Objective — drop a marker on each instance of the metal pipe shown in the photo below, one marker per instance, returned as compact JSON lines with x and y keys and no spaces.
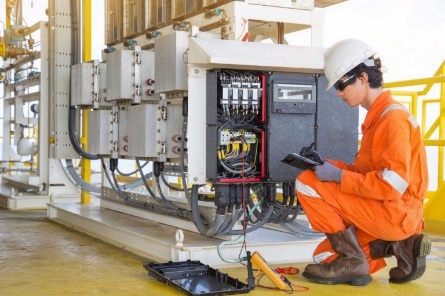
{"x":86,"y":50}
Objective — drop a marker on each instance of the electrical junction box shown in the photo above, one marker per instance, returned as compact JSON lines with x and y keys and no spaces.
{"x":100,"y":132}
{"x":170,"y":66}
{"x":152,"y":130}
{"x":84,"y":85}
{"x":128,"y":71}
{"x":143,"y":126}
{"x":81,"y":84}
{"x":88,"y":83}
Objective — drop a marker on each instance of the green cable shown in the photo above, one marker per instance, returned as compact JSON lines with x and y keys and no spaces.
{"x":234,"y":242}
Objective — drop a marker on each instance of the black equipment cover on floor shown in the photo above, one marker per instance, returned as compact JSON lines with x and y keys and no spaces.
{"x":195,"y":278}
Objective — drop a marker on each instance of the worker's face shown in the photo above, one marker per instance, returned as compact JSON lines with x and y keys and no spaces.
{"x":349,"y":90}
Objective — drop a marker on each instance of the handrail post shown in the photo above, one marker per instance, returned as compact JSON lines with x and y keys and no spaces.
{"x":441,"y":127}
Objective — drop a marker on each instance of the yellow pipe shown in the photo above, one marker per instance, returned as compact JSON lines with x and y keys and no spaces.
{"x":413,"y":106}
{"x":424,"y":110}
{"x":414,"y":82}
{"x":9,"y":6}
{"x":424,"y":106}
{"x":441,"y":127}
{"x":439,"y":143}
{"x":433,"y":127}
{"x":85,"y":198}
{"x":431,"y":101}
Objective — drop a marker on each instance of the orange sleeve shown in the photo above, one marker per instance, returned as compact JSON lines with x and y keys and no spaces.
{"x":388,"y":175}
{"x":342,"y":165}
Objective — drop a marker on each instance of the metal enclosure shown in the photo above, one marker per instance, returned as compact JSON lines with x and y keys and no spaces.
{"x":82,"y":86}
{"x":290,"y":126}
{"x":329,"y":123}
{"x":127,"y":74}
{"x":100,"y":129}
{"x":143,"y":130}
{"x":150,"y":130}
{"x":85,"y":84}
{"x":170,"y":69}
{"x":88,"y":84}
{"x":299,"y":112}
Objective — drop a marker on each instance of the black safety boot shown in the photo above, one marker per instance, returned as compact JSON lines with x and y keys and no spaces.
{"x":350,"y":267}
{"x":410,"y":253}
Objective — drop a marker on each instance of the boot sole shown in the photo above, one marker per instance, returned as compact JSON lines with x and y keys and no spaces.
{"x":422,"y":247}
{"x":354,"y":281}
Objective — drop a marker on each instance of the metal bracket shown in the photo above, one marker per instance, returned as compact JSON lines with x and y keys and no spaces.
{"x":137,"y":74}
{"x":96,"y":89}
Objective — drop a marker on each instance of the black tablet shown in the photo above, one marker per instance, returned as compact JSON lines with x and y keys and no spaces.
{"x":301,"y":162}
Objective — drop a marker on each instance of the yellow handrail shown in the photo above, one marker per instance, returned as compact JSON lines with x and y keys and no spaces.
{"x":434,"y":207}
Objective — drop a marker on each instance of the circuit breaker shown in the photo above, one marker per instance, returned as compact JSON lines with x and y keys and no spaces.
{"x":235,"y":126}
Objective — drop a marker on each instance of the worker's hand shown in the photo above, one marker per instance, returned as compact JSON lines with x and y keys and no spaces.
{"x":312,"y":154}
{"x":327,"y":172}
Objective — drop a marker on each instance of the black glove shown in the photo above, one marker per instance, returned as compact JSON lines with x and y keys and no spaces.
{"x":310,"y":153}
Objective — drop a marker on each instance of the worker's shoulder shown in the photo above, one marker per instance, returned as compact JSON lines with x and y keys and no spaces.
{"x":396,"y":112}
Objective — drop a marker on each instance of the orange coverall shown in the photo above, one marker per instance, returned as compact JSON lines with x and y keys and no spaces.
{"x":381,"y":193}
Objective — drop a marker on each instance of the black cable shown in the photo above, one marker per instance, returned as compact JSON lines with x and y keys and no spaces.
{"x":168,"y":185}
{"x":72,"y":135}
{"x":144,"y":179}
{"x":165,"y":201}
{"x":72,"y":109}
{"x":131,"y":173}
{"x":146,"y":205}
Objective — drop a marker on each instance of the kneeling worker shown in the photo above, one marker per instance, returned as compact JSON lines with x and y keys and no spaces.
{"x":372,"y":208}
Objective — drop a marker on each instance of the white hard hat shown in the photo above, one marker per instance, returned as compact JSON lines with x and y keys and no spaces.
{"x":344,"y":56}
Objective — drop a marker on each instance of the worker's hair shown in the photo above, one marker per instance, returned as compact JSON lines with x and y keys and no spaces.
{"x":375,"y":75}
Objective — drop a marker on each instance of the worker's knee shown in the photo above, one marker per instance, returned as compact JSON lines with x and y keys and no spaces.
{"x":305,"y":185}
{"x":307,"y":177}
